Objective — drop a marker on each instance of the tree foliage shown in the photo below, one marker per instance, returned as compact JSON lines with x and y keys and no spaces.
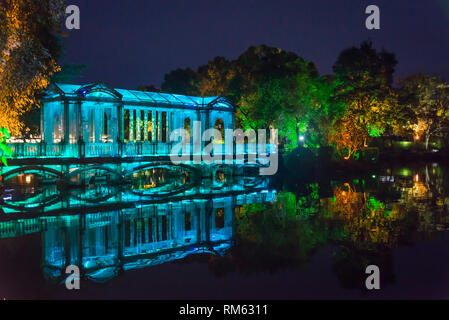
{"x":279,"y":89}
{"x":272,"y":87}
{"x":426,"y":105}
{"x":5,"y":151}
{"x":365,"y":77}
{"x":28,"y":47}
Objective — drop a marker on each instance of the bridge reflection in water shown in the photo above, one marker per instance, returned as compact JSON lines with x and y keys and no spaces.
{"x":138,"y":232}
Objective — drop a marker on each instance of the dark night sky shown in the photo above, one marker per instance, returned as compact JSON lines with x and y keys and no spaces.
{"x":128,"y":43}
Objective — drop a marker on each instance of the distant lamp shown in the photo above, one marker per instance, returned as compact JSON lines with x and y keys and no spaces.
{"x":84,"y":92}
{"x":28,"y":179}
{"x":301,"y":138}
{"x":416,"y":137}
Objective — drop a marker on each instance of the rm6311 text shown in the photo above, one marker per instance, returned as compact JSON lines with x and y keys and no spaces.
{"x":244,"y":309}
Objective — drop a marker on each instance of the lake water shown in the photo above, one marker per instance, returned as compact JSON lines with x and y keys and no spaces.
{"x":165,"y":236}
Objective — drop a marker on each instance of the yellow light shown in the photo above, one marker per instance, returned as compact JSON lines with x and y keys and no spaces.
{"x":28,"y":179}
{"x":150,"y":186}
{"x":416,"y":137}
{"x":416,"y":177}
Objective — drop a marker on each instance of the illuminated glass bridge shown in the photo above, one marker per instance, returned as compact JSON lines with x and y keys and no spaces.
{"x":93,"y":132}
{"x":98,"y":121}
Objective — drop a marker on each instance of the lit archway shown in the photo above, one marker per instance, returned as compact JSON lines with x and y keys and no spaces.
{"x":219,"y":126}
{"x":187,"y":128}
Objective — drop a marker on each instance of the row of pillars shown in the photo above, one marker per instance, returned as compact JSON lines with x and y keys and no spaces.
{"x":156,"y":125}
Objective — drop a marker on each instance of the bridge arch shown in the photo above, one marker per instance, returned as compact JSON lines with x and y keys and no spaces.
{"x":162,"y":164}
{"x":195,"y":175}
{"x":114,"y":173}
{"x":32,"y":169}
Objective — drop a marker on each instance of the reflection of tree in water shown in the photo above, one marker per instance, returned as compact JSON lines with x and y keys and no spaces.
{"x":364,"y":230}
{"x":160,"y":177}
{"x":274,"y":236}
{"x":374,"y":231}
{"x":369,"y":232}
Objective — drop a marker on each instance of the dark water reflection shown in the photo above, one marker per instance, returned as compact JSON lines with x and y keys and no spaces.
{"x":231,"y":237}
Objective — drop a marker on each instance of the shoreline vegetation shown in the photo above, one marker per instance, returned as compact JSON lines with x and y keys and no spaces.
{"x":312,"y":166}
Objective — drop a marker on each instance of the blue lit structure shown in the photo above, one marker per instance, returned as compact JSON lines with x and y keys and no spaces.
{"x":106,"y":243}
{"x":94,"y":131}
{"x":96,"y":120}
{"x":102,"y":191}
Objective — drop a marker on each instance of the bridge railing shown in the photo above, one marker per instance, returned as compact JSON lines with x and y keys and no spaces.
{"x":38,"y":150}
{"x":101,"y":149}
{"x":220,"y":149}
{"x":26,"y":150}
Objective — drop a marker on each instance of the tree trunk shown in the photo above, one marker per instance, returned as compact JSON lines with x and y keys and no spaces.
{"x":298,"y":142}
{"x":427,"y":140}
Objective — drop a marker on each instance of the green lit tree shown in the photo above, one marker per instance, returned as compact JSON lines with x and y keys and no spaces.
{"x":365,"y":79}
{"x":5,"y":151}
{"x":272,"y":87}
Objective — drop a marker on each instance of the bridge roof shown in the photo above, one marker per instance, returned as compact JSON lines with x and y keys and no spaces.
{"x":99,"y":91}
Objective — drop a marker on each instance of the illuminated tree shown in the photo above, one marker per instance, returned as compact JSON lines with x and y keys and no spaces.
{"x":426,"y":102}
{"x":347,"y":137}
{"x":271,"y":86}
{"x":365,"y":77}
{"x":324,"y":110}
{"x":27,"y":49}
{"x":274,"y":89}
{"x":5,"y":151}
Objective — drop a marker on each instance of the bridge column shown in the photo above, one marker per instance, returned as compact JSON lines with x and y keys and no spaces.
{"x":81,"y":130}
{"x":121,"y":238}
{"x":47,"y":121}
{"x":42,"y":128}
{"x":66,"y":129}
{"x":139,"y":222}
{"x":66,"y":123}
{"x":131,"y":125}
{"x":158,"y":125}
{"x":154,"y":124}
{"x":170,"y":125}
{"x":145,"y":126}
{"x":121,"y":123}
{"x":98,"y":113}
{"x":150,"y":115}
{"x":138,"y":126}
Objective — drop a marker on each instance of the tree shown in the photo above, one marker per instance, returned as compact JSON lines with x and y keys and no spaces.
{"x":68,"y":73}
{"x":28,"y":51}
{"x":323,"y":110}
{"x":347,"y":137}
{"x":365,"y":77}
{"x":426,"y":102}
{"x":272,"y":88}
{"x":215,"y":77}
{"x":181,"y":81}
{"x":5,"y":151}
{"x":150,"y":88}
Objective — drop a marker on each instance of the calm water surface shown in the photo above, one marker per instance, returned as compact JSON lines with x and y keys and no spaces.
{"x":169,"y":236}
